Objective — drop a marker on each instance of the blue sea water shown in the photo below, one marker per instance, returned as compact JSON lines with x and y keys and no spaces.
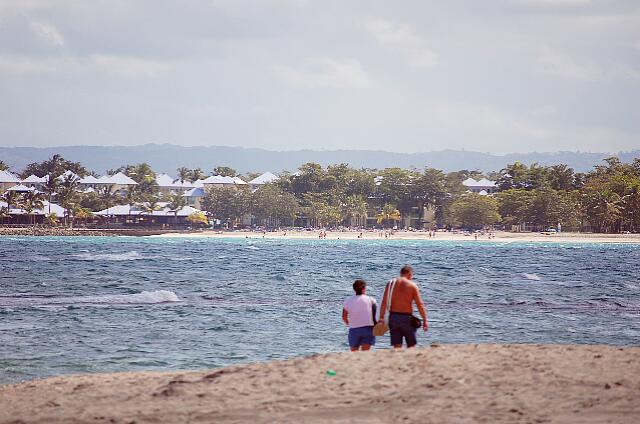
{"x":78,"y":305}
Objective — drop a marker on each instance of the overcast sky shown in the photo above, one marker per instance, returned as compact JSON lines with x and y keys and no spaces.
{"x":494,"y":76}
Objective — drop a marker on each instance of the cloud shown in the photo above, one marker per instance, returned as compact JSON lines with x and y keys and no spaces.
{"x":107,"y":64}
{"x":47,"y":33}
{"x":128,"y":66}
{"x":555,"y":63}
{"x":559,"y":64}
{"x":402,"y":36}
{"x":555,"y":2}
{"x":325,"y":72}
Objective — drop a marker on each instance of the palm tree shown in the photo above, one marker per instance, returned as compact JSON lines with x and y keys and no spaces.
{"x":132,"y":197}
{"x":11,"y":197}
{"x":388,"y":212}
{"x":108,"y":197}
{"x":150,"y":205}
{"x":67,"y":193}
{"x":4,"y":213}
{"x":176,"y":202}
{"x":196,"y":174}
{"x":32,"y":200}
{"x":355,"y":207}
{"x":83,"y":214}
{"x":183,"y":174}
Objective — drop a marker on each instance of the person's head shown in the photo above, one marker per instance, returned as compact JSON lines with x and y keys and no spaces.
{"x":406,"y":272}
{"x":359,"y":286}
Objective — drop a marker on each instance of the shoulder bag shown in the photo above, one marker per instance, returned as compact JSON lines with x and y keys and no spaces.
{"x":382,"y":326}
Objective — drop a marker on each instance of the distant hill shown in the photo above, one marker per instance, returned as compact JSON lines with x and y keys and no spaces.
{"x":167,"y":158}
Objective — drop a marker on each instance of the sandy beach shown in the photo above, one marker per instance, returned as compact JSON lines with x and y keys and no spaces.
{"x":437,"y":384}
{"x":498,"y":236}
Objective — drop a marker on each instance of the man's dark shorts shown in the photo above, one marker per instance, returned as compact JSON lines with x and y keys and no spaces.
{"x":400,"y":327}
{"x":361,"y":335}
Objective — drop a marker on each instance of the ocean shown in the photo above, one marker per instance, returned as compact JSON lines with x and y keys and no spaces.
{"x":72,"y":305}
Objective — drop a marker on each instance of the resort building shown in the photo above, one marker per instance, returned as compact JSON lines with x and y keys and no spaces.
{"x":199,"y":188}
{"x":261,"y":180}
{"x":481,"y":187}
{"x":135,"y":215}
{"x":117,"y":182}
{"x":35,"y":181}
{"x":7,"y":180}
{"x":169,"y":185}
{"x":19,"y":216}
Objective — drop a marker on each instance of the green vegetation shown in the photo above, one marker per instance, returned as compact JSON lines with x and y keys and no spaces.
{"x":533,"y":197}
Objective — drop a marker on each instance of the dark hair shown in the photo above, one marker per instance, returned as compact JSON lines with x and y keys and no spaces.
{"x":406,"y":270}
{"x":358,"y":286}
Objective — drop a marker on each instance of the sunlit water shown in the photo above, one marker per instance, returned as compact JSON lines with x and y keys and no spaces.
{"x":77,"y":305}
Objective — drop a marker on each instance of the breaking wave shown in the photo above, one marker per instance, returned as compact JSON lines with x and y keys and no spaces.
{"x":143,"y":298}
{"x":125,"y":256}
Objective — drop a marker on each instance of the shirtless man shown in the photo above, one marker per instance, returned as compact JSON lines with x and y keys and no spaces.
{"x":405,"y":293}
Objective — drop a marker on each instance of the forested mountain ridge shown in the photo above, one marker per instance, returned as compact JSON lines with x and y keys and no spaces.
{"x":167,"y":158}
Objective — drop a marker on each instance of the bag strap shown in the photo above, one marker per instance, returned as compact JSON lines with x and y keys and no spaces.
{"x":390,"y":286}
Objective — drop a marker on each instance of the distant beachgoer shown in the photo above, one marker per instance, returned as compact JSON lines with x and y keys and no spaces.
{"x":402,"y":324}
{"x":359,"y":314}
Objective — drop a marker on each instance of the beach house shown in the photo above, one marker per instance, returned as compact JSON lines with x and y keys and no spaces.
{"x":138,"y":215}
{"x":482,"y":187}
{"x":261,"y":180}
{"x":118,"y":182}
{"x":8,"y":180}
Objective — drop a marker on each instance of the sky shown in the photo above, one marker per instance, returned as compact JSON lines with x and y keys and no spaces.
{"x":496,"y":76}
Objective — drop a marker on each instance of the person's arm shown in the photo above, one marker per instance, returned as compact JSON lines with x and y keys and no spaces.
{"x":345,"y":316}
{"x":418,"y":300}
{"x":383,"y":304}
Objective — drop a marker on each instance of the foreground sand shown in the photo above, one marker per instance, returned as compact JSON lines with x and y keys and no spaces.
{"x":498,"y":236}
{"x":445,"y":384}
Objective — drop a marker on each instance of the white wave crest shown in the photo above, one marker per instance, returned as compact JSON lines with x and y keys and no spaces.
{"x":126,"y":256}
{"x":143,"y":298}
{"x":146,"y":297}
{"x":533,"y":277}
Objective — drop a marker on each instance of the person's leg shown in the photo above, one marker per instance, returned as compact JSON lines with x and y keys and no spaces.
{"x":354,"y":340}
{"x":395,"y":331}
{"x":368,"y":339}
{"x":410,"y":337}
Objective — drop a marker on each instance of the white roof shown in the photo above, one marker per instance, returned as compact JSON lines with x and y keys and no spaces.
{"x":135,"y":210}
{"x":265,"y":178}
{"x":483,"y":193}
{"x":68,"y":173}
{"x":20,"y":187}
{"x":194,"y":192}
{"x":218,"y":179}
{"x":239,"y":181}
{"x":8,"y":177}
{"x":34,"y":179}
{"x":57,"y":209}
{"x":164,"y":180}
{"x":118,"y":178}
{"x":197,"y":183}
{"x":470,"y":182}
{"x":89,"y":179}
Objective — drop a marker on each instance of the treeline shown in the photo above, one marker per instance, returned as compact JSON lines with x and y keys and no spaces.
{"x":606,"y":199}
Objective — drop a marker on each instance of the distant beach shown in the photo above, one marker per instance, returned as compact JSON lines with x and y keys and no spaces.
{"x":497,"y":236}
{"x":438,"y":384}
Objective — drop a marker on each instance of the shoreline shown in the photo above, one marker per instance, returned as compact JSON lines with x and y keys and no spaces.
{"x":441,"y":383}
{"x":498,"y":236}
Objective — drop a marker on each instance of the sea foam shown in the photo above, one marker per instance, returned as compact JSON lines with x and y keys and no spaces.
{"x":142,"y":298}
{"x":533,"y":277}
{"x":125,"y":256}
